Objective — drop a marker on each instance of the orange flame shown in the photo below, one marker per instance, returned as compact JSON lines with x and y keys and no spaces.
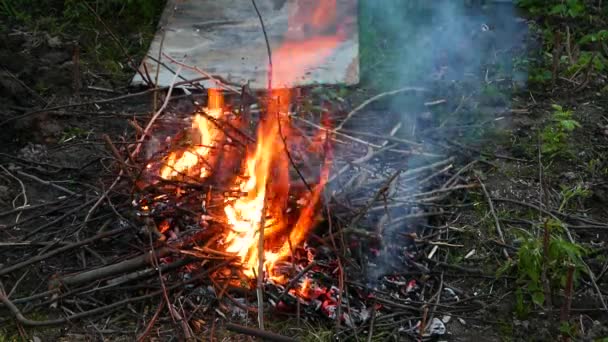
{"x":267,"y":181}
{"x":204,"y":134}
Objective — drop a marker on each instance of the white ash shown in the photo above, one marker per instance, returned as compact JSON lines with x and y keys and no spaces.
{"x":34,"y":152}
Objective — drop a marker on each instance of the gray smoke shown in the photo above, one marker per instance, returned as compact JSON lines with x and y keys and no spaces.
{"x":451,"y":47}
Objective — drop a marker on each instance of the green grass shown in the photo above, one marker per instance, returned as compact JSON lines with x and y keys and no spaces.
{"x":133,"y":23}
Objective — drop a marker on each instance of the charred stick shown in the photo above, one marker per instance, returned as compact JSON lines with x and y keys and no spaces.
{"x":265,"y":335}
{"x":123,"y":165}
{"x":295,"y":279}
{"x":455,"y":267}
{"x":458,"y":173}
{"x":293,"y":163}
{"x":219,"y":125}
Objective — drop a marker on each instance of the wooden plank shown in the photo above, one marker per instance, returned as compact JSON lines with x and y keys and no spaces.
{"x":313,"y":41}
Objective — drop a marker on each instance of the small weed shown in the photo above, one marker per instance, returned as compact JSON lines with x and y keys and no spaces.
{"x":74,"y":133}
{"x":556,"y":133}
{"x":597,"y":61}
{"x":570,"y":193}
{"x":534,"y":258}
{"x":596,"y":168}
{"x":567,"y":8}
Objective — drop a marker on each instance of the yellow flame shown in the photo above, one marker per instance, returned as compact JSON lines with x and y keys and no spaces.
{"x":204,"y":135}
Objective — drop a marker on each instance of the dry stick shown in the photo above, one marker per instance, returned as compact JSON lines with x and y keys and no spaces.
{"x":160,"y":50}
{"x":123,"y":165}
{"x":219,"y":124}
{"x":204,"y":73}
{"x":23,"y":320}
{"x":260,"y":280}
{"x":76,"y":83}
{"x":51,"y":184}
{"x":589,"y":68}
{"x":145,"y":273}
{"x":545,"y":265}
{"x":295,"y":279}
{"x":496,"y":220}
{"x":30,"y":90}
{"x":117,"y":41}
{"x":368,"y":156}
{"x":371,"y":324}
{"x":101,"y":101}
{"x":557,"y":51}
{"x":59,"y":219}
{"x":569,"y":45}
{"x":390,"y":138}
{"x":150,"y":325}
{"x":23,"y":193}
{"x":137,"y":147}
{"x":154,"y":261}
{"x":107,"y":271}
{"x":375,"y":98}
{"x":195,"y":85}
{"x":293,"y":163}
{"x":362,"y":142}
{"x":264,"y":335}
{"x":41,"y":257}
{"x":29,"y":207}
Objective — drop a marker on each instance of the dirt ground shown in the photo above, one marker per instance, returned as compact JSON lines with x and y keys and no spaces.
{"x":52,"y":146}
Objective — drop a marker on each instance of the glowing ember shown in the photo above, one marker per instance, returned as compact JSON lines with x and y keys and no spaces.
{"x":204,"y":134}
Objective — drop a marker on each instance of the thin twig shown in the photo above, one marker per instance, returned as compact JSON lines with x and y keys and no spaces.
{"x":51,"y":184}
{"x":25,"y":86}
{"x":376,"y":98}
{"x":204,"y":73}
{"x":496,"y":220}
{"x":65,"y":248}
{"x":137,"y":148}
{"x":122,"y":48}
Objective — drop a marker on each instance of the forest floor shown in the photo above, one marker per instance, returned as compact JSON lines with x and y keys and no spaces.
{"x":526,"y":240}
